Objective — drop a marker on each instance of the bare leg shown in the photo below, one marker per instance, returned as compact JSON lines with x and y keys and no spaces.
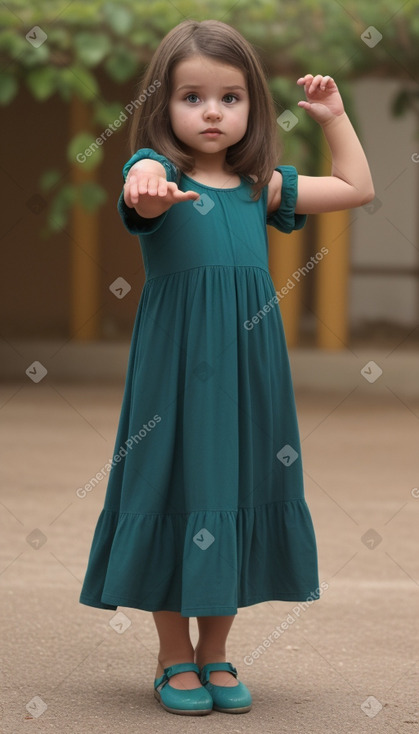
{"x":211,"y":646}
{"x":175,"y":647}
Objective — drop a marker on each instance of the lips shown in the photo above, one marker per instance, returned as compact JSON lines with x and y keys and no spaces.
{"x":211,"y":130}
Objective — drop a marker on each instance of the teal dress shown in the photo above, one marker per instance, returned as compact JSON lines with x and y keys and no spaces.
{"x":204,"y":509}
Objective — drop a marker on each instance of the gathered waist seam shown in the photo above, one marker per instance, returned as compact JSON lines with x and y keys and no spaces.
{"x":206,"y":267}
{"x":208,"y":509}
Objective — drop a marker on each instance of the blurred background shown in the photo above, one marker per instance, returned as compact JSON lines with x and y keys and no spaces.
{"x":70,"y":75}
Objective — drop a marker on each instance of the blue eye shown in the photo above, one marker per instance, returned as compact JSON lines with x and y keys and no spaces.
{"x":233,"y":97}
{"x":191,"y":95}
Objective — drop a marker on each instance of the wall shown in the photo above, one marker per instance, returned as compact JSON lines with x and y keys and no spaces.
{"x":387,"y":238}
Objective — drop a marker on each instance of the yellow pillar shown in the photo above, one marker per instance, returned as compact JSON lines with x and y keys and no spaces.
{"x":332,"y":272}
{"x":285,"y":257}
{"x":85,"y":282}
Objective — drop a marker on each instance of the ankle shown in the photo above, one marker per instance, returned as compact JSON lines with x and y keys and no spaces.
{"x":166,"y":660}
{"x":209,"y":655}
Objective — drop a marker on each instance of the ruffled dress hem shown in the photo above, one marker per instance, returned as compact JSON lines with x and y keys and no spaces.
{"x":203,"y":611}
{"x":170,"y":554}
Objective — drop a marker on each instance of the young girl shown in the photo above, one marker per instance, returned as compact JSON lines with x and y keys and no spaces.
{"x":205,"y":509}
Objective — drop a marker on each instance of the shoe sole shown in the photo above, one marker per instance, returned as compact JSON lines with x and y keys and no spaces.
{"x":242,"y":710}
{"x":182,"y":712}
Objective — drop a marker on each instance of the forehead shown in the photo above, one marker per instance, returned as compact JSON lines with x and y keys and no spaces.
{"x":203,"y":71}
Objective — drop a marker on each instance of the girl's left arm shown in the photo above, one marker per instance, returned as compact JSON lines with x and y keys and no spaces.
{"x":350,"y":183}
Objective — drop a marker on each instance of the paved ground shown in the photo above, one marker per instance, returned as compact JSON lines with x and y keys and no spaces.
{"x":347,"y":664}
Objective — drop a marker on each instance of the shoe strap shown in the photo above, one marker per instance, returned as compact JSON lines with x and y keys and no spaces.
{"x":210,"y":667}
{"x":173,"y":670}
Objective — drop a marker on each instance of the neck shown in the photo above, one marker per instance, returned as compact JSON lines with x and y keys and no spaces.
{"x":209,"y":164}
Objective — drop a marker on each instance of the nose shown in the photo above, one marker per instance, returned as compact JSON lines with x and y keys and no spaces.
{"x":212,"y":111}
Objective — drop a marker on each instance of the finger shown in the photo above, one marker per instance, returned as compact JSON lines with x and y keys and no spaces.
{"x":145,"y":184}
{"x":162,"y":187}
{"x":185,"y":195}
{"x":128,"y":199}
{"x":192,"y":194}
{"x":175,"y":192}
{"x":132,"y":189}
{"x":305,"y":79}
{"x":152,"y":185}
{"x":315,"y":83}
{"x":325,"y":81}
{"x":142,"y":184}
{"x":182,"y":195}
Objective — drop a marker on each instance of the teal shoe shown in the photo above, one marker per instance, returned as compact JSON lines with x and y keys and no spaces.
{"x":188,"y":701}
{"x":229,"y":699}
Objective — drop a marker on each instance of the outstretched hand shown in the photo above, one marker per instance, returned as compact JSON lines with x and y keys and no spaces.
{"x":323,"y":99}
{"x":144,"y":184}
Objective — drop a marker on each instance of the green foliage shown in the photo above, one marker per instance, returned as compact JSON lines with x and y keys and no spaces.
{"x":60,"y":207}
{"x":122,"y":65}
{"x":80,"y":152}
{"x":92,"y":196}
{"x":293,"y":35}
{"x":42,"y":82}
{"x":8,"y":87}
{"x":89,"y":194}
{"x":106,"y":111}
{"x":91,"y":48}
{"x":49,"y":179}
{"x":119,"y":18}
{"x":83,"y":83}
{"x":406,"y":99}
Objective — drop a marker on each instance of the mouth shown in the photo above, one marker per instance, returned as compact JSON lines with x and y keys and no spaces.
{"x":211,"y":131}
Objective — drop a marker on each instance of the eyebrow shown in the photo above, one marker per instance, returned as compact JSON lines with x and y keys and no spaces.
{"x":199,"y":86}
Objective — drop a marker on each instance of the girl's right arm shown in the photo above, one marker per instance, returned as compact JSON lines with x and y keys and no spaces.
{"x":147,"y":190}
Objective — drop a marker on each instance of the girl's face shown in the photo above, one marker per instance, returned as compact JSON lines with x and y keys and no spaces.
{"x":208,"y":94}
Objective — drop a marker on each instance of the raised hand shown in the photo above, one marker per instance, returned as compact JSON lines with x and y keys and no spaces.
{"x":323,"y":99}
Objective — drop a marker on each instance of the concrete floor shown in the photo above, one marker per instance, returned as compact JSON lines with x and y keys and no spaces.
{"x":348,"y":664}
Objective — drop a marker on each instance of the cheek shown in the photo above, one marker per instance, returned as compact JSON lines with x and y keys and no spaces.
{"x":176,"y":113}
{"x":174,"y":109}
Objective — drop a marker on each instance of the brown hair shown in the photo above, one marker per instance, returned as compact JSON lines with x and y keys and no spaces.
{"x":257,"y":153}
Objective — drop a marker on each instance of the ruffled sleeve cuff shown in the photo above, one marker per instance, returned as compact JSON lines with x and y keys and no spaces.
{"x":134,"y":223}
{"x":284,"y":218}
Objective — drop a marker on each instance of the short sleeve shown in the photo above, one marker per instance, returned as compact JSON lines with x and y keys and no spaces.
{"x":285,"y":219}
{"x":131,"y":219}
